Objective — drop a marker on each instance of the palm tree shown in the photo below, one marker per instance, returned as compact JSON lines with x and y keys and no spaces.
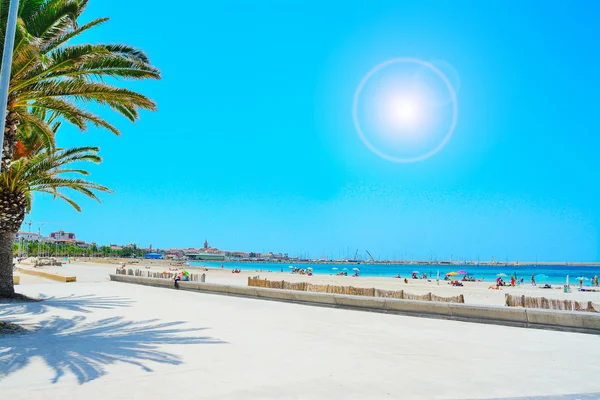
{"x":49,"y":74}
{"x":45,"y":171}
{"x":53,"y":81}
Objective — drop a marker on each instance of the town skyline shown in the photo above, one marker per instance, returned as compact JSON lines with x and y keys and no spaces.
{"x":207,"y":253}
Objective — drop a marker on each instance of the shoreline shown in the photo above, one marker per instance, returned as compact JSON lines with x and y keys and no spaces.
{"x":474,"y":292}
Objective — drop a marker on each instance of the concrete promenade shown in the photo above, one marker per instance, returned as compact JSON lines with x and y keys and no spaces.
{"x":109,"y":340}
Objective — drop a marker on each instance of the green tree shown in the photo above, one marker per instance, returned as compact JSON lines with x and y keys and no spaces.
{"x":106,"y":251}
{"x":54,"y":81}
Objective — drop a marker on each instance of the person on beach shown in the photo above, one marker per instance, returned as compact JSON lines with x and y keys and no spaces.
{"x":532,"y":280}
{"x":512,"y":281}
{"x":580,"y":282}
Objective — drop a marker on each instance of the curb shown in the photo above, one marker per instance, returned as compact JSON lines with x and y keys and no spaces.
{"x":47,"y":275}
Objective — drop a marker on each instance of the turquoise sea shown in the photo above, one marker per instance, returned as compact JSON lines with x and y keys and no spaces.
{"x":555,"y":274}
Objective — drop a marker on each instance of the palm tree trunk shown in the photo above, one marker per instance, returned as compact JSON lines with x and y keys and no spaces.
{"x":10,"y":139}
{"x":7,"y":288}
{"x":12,"y":213}
{"x":12,"y":209}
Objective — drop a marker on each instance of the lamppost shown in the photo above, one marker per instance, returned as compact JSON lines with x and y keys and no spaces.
{"x":9,"y":44}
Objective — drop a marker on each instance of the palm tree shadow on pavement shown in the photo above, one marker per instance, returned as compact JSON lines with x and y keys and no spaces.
{"x":82,"y":303}
{"x":85,"y":349}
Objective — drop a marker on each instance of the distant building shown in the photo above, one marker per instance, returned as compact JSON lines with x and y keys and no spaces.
{"x":205,"y":244}
{"x":65,"y":241}
{"x":62,"y":235}
{"x":175,"y":253}
{"x":79,"y":243}
{"x":153,"y":256}
{"x":206,"y":257}
{"x":236,"y":254}
{"x":30,"y":237}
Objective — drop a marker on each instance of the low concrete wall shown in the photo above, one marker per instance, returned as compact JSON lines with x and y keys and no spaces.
{"x":47,"y":275}
{"x":140,"y":280}
{"x":522,"y":317}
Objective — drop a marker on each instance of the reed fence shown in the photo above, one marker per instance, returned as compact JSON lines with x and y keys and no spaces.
{"x":160,"y":275}
{"x":351,"y":290}
{"x":550,"y":304}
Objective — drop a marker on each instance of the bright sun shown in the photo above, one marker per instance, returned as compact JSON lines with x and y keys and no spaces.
{"x":404,"y":112}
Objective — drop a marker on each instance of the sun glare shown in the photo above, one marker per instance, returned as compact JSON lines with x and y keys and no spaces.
{"x":404,"y":112}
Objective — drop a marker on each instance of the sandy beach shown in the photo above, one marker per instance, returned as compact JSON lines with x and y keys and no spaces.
{"x":97,"y":270}
{"x":97,"y":339}
{"x":101,"y":339}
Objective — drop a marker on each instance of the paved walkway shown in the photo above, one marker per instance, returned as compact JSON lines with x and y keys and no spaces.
{"x":111,"y":340}
{"x":584,"y":396}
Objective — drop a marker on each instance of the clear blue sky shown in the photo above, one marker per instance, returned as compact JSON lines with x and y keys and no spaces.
{"x":253,"y":146}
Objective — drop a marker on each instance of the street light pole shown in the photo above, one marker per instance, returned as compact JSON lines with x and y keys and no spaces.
{"x":9,"y":44}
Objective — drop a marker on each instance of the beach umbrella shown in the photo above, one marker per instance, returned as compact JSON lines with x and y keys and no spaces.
{"x":356,"y":269}
{"x":582,"y":278}
{"x":290,"y":266}
{"x":416,"y":272}
{"x":335,"y":269}
{"x":438,"y":275}
{"x":452,"y":273}
{"x":501,"y":274}
{"x":567,"y":280}
{"x":461,"y":272}
{"x":345,"y":269}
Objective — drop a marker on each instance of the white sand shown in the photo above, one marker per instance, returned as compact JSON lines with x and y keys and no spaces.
{"x":109,"y":340}
{"x":474,"y":292}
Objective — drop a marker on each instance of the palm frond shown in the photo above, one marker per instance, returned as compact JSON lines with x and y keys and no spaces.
{"x":60,"y":40}
{"x":73,"y":114}
{"x":53,"y":18}
{"x":82,"y":90}
{"x":129,"y":52}
{"x":49,"y":172}
{"x":39,"y":127}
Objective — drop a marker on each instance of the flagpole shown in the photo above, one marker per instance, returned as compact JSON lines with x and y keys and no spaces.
{"x":9,"y":44}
